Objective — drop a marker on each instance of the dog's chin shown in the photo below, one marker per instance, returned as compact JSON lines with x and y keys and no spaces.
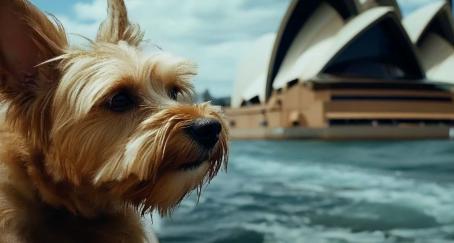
{"x":199,"y":157}
{"x":192,"y":165}
{"x":169,"y":189}
{"x":182,"y":171}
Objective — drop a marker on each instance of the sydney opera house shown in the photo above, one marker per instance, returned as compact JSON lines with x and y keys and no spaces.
{"x":347,"y":69}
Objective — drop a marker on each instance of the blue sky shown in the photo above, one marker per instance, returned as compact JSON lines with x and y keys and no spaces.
{"x":213,"y":33}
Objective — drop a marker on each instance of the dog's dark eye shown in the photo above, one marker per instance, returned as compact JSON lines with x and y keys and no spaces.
{"x":173,"y":93}
{"x":121,"y":102}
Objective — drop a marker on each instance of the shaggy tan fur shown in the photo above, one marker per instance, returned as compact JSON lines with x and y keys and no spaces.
{"x":73,"y":170}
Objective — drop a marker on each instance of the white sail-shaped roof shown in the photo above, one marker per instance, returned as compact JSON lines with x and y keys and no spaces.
{"x":438,"y":58}
{"x":368,"y":4}
{"x":431,"y":30}
{"x":307,"y":54}
{"x":251,"y":78}
{"x":377,"y":47}
{"x":420,"y":21}
{"x":326,"y":43}
{"x":325,"y":17}
{"x":348,"y":38}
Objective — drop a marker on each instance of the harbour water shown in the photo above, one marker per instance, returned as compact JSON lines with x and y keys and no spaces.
{"x":314,"y":191}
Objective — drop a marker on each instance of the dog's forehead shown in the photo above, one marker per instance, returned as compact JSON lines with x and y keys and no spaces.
{"x":146,"y":63}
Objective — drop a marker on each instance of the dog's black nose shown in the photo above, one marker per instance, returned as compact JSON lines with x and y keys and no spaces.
{"x":205,"y":131}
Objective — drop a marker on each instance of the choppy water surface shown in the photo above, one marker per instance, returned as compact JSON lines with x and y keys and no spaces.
{"x":311,"y":191}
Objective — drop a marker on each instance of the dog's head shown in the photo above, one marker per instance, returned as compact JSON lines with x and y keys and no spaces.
{"x":108,"y":116}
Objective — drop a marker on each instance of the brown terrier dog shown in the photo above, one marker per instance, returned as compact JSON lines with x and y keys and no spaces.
{"x":91,"y":138}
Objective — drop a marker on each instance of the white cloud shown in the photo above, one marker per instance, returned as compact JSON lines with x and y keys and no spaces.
{"x":215,"y":34}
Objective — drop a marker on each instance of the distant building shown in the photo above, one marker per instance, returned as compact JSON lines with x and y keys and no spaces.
{"x":217,"y":101}
{"x":349,"y":69}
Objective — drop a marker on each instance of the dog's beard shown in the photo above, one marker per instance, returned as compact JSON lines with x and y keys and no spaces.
{"x":160,"y":163}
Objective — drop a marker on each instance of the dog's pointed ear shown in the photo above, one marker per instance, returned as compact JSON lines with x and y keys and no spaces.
{"x":27,"y":38}
{"x":116,"y":27}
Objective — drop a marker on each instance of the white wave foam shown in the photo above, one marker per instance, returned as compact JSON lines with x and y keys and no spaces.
{"x":357,"y":184}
